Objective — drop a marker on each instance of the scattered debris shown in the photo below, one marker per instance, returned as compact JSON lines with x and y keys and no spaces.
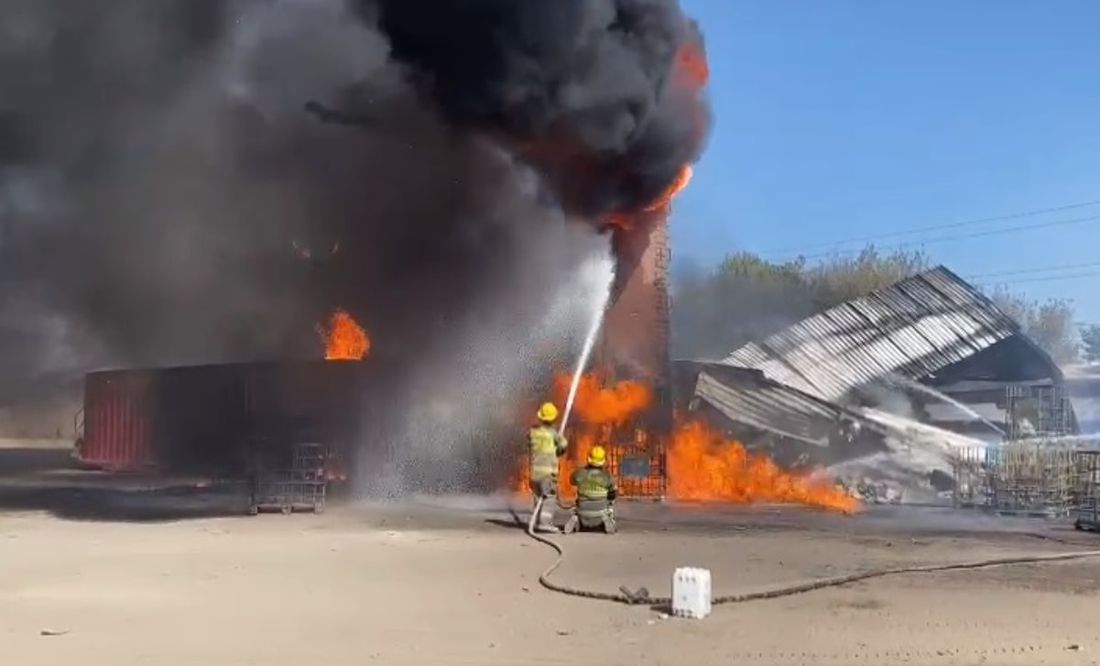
{"x":634,"y":596}
{"x":869,"y":492}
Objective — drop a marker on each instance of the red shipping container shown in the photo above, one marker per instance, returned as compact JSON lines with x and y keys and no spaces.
{"x":203,"y":416}
{"x":118,"y":420}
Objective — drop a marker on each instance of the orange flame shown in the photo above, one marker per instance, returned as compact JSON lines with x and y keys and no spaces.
{"x":521,"y":478}
{"x":344,"y":339}
{"x":597,"y":409}
{"x":677,"y":186}
{"x":704,"y":466}
{"x":661,"y":204}
{"x":599,"y":405}
{"x":691,"y":66}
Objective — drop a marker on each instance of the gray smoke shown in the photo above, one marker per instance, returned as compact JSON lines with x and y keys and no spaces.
{"x":166,"y":197}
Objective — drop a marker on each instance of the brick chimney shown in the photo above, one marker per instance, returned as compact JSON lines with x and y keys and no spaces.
{"x":635,"y":339}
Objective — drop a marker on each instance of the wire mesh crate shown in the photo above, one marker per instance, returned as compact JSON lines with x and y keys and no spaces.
{"x":635,"y":458}
{"x":1037,"y":411}
{"x":289,"y":480}
{"x":1018,"y":478}
{"x":972,"y":478}
{"x":638,"y":464}
{"x":1031,"y":479}
{"x":1086,"y":511}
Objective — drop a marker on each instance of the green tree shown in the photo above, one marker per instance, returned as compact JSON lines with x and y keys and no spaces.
{"x":1048,"y":323}
{"x":1090,"y":342}
{"x":744,"y":298}
{"x":747,"y":298}
{"x":839,"y":279}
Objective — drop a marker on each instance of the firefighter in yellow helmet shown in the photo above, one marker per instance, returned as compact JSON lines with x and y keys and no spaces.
{"x":546,"y":445}
{"x":596,"y":493}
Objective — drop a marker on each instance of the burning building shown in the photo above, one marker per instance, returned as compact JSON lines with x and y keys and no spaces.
{"x":241,"y":169}
{"x":892,"y":383}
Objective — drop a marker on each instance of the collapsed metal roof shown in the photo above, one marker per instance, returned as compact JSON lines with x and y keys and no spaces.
{"x":750,"y":398}
{"x":912,"y":328}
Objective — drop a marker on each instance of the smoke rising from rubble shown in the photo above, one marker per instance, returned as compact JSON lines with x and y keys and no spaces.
{"x":160,"y":178}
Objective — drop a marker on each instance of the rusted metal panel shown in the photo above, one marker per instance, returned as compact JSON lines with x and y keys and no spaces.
{"x":769,"y":406}
{"x":118,"y":420}
{"x":204,"y":416}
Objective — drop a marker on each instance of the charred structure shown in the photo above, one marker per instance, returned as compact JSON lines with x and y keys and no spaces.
{"x":893,"y":384}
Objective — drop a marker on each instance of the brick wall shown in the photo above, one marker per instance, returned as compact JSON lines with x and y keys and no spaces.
{"x":635,"y":341}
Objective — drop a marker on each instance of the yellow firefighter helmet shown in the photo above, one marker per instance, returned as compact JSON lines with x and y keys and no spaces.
{"x":548,"y":413}
{"x":597,"y":457}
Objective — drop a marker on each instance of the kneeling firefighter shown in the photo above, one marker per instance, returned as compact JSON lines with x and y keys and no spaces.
{"x":546,"y":445}
{"x":596,"y":493}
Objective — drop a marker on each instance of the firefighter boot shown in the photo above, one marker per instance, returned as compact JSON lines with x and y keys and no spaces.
{"x":609,"y":526}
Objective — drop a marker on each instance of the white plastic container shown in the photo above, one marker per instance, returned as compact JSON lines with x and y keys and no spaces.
{"x":691,"y":593}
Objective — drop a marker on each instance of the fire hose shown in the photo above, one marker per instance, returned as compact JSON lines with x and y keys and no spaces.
{"x":642,"y":596}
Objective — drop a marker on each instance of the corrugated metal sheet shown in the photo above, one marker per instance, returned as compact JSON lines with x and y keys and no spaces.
{"x":118,"y":420}
{"x":914,"y":328}
{"x":203,"y":415}
{"x":767,"y":405}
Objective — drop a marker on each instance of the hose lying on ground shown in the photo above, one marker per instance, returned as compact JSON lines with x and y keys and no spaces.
{"x":642,"y":596}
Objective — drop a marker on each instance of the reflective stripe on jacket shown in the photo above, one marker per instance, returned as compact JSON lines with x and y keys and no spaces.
{"x":593,"y":487}
{"x":546,"y":446}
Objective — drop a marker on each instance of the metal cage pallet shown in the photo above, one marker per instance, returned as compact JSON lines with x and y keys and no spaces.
{"x":1037,"y":410}
{"x":637,"y":461}
{"x":1086,"y":514}
{"x":298,"y":486}
{"x":1033,"y":480}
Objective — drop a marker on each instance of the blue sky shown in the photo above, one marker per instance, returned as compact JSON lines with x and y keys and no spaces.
{"x":841,"y":119}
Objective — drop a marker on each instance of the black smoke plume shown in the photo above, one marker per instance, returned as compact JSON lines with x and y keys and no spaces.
{"x":194,"y":181}
{"x":583,"y":89}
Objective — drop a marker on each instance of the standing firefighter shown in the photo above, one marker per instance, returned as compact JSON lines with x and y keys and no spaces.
{"x":596,"y":493}
{"x":547,"y":445}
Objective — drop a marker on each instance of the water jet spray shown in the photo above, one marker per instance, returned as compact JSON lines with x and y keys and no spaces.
{"x":604,"y":295}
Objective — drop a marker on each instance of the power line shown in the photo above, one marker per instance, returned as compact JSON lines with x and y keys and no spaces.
{"x":1050,"y":278}
{"x":1044,"y":269}
{"x":937,"y":227}
{"x":977,"y":234}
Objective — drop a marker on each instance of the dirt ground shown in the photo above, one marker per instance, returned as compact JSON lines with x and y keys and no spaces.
{"x":100,"y":570}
